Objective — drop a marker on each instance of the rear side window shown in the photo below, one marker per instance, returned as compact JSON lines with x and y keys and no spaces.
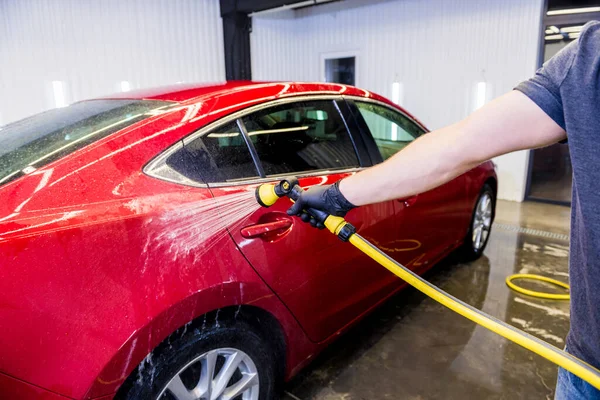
{"x":391,"y":130}
{"x":38,"y":140}
{"x":219,"y":156}
{"x":301,"y":137}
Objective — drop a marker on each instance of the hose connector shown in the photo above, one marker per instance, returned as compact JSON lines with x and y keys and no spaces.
{"x":339,"y":227}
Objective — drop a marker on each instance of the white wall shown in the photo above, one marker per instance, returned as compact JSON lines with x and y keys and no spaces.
{"x":93,"y":45}
{"x":438,"y":49}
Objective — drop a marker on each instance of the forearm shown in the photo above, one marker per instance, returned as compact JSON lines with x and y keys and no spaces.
{"x":509,"y":123}
{"x":428,"y":162}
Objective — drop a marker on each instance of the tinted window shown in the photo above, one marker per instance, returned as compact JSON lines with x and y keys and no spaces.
{"x":38,"y":140}
{"x":219,"y":156}
{"x":391,"y":130}
{"x":301,"y":137}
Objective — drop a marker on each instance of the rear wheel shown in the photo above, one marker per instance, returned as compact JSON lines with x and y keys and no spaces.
{"x":481,"y":225}
{"x":229,"y":361}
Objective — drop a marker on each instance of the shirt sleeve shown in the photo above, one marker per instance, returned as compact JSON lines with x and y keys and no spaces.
{"x":544,"y":87}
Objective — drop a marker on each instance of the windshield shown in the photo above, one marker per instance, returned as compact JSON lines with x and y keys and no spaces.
{"x":33,"y":142}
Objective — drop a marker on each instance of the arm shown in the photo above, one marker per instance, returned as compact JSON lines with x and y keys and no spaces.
{"x":511,"y":122}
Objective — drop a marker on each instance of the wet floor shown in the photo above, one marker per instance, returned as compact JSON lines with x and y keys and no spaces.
{"x":414,"y":348}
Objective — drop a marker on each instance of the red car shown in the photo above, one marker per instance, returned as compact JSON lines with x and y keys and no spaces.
{"x":135,"y":263}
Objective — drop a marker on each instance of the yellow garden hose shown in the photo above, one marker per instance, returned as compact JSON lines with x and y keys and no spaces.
{"x":535,"y":293}
{"x":345,"y":231}
{"x":559,"y":357}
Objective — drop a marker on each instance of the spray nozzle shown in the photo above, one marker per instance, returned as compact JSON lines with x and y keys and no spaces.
{"x":268,"y":194}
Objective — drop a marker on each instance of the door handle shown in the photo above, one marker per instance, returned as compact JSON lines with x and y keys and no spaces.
{"x":256,"y":230}
{"x":409,"y":201}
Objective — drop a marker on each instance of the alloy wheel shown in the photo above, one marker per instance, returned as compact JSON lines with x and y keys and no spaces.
{"x":220,"y":374}
{"x":482,"y":222}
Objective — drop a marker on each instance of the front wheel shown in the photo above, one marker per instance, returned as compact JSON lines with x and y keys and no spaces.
{"x":481,"y":225}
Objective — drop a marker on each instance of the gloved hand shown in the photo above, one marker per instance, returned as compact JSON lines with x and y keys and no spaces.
{"x":326,"y":198}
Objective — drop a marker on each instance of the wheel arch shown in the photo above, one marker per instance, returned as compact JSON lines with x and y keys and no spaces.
{"x":492,"y":181}
{"x":477,"y":178}
{"x":263,"y":322}
{"x":262,"y":310}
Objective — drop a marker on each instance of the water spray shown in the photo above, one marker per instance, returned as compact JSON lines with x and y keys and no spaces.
{"x":268,"y":194}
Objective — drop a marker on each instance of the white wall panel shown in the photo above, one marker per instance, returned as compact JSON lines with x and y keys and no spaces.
{"x":438,"y":49}
{"x":94,"y":45}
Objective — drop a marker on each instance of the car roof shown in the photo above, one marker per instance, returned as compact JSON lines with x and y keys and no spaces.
{"x":189,"y":92}
{"x":186,"y":92}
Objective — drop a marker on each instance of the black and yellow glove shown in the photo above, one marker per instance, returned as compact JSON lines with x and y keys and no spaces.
{"x":326,"y":198}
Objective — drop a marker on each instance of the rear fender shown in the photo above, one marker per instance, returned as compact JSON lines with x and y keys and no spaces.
{"x":148,"y":337}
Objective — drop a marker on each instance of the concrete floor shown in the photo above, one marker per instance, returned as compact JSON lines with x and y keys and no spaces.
{"x":414,"y":348}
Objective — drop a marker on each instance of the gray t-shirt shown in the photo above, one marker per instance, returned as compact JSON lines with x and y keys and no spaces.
{"x":567,"y":88}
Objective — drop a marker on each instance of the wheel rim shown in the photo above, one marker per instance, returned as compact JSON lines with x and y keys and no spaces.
{"x":482,"y":222}
{"x":221,"y":374}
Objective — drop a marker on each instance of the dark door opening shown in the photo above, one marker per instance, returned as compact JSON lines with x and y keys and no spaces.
{"x":341,"y":70}
{"x":550,"y":170}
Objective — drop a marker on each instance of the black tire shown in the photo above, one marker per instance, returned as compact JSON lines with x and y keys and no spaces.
{"x":469,"y":251}
{"x":150,"y":378}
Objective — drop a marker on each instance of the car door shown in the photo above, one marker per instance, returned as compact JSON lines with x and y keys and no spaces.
{"x":432,"y":221}
{"x":325,"y":282}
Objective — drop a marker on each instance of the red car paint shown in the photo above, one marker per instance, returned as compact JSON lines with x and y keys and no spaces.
{"x":84,"y":298}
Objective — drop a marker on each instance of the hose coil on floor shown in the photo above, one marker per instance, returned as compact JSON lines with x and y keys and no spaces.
{"x":535,"y":293}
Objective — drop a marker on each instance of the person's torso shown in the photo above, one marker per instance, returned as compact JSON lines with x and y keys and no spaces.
{"x":580,"y":92}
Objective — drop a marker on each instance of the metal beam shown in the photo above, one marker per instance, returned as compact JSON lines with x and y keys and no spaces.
{"x":236,"y":41}
{"x":253,"y":6}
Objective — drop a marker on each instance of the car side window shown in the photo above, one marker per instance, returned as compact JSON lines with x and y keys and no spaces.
{"x":301,"y":137}
{"x":391,"y":130}
{"x":222,"y":155}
